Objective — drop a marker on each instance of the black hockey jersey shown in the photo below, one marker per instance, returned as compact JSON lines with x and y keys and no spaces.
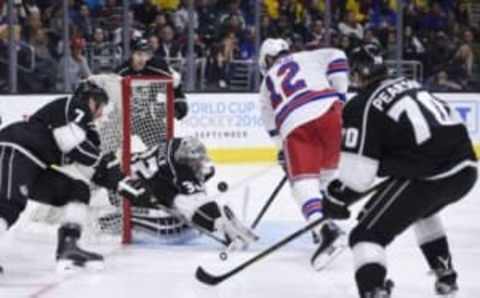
{"x":165,"y":177}
{"x":154,"y":66}
{"x":404,"y":131}
{"x":36,"y":135}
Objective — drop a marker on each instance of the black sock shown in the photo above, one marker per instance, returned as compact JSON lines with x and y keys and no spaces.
{"x":369,"y":277}
{"x":437,"y":254}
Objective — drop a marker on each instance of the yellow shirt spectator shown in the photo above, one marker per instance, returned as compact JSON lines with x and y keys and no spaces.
{"x":166,"y":4}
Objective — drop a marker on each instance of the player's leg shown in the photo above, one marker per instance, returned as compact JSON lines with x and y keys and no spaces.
{"x":17,"y":174}
{"x":58,"y":189}
{"x":432,"y":238}
{"x":306,"y":154}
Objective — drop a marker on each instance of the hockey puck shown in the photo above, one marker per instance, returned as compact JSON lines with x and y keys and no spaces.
{"x":223,"y":256}
{"x":222,"y":186}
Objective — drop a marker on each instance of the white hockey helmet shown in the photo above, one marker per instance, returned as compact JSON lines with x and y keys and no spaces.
{"x":271,"y":47}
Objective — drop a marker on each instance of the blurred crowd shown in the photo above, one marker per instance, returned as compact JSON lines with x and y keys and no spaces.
{"x":443,"y":36}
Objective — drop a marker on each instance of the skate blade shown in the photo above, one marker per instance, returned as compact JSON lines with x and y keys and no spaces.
{"x":68,"y":266}
{"x":323,"y":260}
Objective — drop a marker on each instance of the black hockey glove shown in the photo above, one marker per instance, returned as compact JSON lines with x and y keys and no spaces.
{"x":135,"y":191}
{"x":181,"y":109}
{"x":281,"y":160}
{"x":337,"y":200}
{"x":108,"y":172}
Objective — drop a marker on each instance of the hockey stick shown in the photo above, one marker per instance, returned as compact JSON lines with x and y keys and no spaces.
{"x":205,"y":277}
{"x":269,"y":201}
{"x":212,"y":280}
{"x":224,"y":254}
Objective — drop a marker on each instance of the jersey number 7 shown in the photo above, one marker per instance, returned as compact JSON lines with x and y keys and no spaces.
{"x":289,"y":84}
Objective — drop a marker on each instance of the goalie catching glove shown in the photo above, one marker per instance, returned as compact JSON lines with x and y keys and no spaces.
{"x":108,"y":174}
{"x":337,"y":200}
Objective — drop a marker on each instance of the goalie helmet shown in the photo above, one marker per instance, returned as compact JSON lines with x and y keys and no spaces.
{"x":192,"y":152}
{"x":271,"y":47}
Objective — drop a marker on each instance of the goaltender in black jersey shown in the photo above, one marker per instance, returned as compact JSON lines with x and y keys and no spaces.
{"x":395,"y":128}
{"x":175,"y":178}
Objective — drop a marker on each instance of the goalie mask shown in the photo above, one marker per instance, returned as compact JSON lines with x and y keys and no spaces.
{"x":190,"y":151}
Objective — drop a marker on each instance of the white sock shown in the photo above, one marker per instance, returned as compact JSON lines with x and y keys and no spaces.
{"x":75,"y":213}
{"x":3,"y":226}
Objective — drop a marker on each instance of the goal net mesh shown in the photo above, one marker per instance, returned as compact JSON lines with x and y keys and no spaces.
{"x":139,"y":116}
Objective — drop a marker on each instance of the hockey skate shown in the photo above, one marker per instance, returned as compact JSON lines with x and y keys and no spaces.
{"x":238,"y":236}
{"x":380,"y":292}
{"x":332,"y":244}
{"x":446,"y":284}
{"x":69,"y":256}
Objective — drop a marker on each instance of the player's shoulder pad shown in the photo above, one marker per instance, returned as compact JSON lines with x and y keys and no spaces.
{"x":158,"y":65}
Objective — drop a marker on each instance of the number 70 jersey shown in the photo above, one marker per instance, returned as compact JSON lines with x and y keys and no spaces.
{"x":403,"y":129}
{"x":301,"y":87}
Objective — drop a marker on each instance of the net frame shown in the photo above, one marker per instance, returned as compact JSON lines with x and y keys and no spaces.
{"x":127,"y":97}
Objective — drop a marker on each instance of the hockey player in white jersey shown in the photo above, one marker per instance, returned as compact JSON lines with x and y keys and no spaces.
{"x":301,"y":100}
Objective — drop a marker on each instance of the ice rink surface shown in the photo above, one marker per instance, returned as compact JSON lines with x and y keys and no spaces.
{"x":168,"y":271}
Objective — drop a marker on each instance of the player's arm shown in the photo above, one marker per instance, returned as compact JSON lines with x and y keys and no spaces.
{"x":359,"y":161}
{"x":78,"y":137}
{"x":161,"y":67}
{"x":268,"y":114}
{"x":337,"y":72}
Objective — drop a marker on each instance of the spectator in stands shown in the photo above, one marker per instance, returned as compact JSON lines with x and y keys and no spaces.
{"x":84,"y":21}
{"x":246,"y":47}
{"x":413,"y":48}
{"x":207,"y":20}
{"x":46,"y":67}
{"x":168,"y":47}
{"x":463,"y":13}
{"x":268,"y":28}
{"x":316,"y":35}
{"x":161,"y":20}
{"x":370,"y":38}
{"x":181,"y":17}
{"x":77,"y":66}
{"x":349,"y":26}
{"x":146,"y":12}
{"x":103,"y":55}
{"x":441,"y":83}
{"x":465,"y":54}
{"x":233,"y":11}
{"x":435,"y":19}
{"x":223,"y":55}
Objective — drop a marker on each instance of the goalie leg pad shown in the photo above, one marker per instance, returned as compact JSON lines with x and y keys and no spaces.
{"x":206,"y":215}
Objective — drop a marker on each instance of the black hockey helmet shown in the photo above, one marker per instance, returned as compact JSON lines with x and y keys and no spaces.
{"x":367,"y":61}
{"x":87,"y":89}
{"x":141,"y":44}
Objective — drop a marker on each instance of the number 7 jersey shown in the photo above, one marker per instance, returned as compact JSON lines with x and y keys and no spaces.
{"x":301,"y":87}
{"x":399,"y":129}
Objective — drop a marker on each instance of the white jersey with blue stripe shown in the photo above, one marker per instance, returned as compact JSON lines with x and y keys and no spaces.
{"x":301,"y":87}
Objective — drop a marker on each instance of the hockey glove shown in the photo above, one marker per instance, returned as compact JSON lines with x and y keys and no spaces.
{"x":181,"y":109}
{"x":281,"y":160}
{"x":337,"y":200}
{"x":107,"y":172}
{"x":135,"y":191}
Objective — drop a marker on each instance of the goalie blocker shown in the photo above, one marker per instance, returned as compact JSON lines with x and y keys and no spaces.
{"x":175,"y":178}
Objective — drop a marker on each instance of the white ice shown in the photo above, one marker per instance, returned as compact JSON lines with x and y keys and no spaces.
{"x":168,"y":271}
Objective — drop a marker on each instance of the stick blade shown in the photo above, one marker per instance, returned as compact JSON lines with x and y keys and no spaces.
{"x":206,"y":278}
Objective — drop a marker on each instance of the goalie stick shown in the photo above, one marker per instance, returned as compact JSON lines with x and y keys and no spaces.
{"x":207,"y":278}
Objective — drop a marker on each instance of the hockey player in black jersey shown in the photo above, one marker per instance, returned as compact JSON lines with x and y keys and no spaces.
{"x":175,"y":178}
{"x":35,"y":155}
{"x":143,"y":63}
{"x":395,"y":128}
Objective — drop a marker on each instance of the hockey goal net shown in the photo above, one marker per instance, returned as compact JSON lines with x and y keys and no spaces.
{"x":139,"y":116}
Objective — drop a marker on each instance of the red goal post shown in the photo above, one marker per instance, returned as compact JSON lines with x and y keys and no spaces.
{"x":143,"y":88}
